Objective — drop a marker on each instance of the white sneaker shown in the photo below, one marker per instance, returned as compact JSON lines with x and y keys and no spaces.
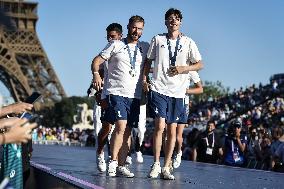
{"x":171,"y":166}
{"x":177,"y":160}
{"x":166,"y":174}
{"x":128,"y":160}
{"x":139,"y":157}
{"x":112,"y":165}
{"x":155,"y":170}
{"x":123,"y":171}
{"x":101,"y":164}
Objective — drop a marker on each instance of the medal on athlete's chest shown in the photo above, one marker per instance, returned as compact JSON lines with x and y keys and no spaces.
{"x":132,"y":59}
{"x":132,"y":72}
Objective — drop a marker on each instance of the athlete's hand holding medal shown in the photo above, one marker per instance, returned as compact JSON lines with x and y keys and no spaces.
{"x":175,"y":70}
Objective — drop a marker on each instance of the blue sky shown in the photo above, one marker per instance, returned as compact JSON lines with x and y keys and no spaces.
{"x":241,"y":41}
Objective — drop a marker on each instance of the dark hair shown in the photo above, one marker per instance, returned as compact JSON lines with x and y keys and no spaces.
{"x":136,"y":18}
{"x":210,"y":121}
{"x":173,"y":11}
{"x":277,"y":132}
{"x":114,"y":27}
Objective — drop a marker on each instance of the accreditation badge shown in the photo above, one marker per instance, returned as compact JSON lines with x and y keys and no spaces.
{"x":209,"y":151}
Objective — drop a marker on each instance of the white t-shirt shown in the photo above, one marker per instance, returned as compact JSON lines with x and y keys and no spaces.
{"x":120,"y":81}
{"x":172,"y":86}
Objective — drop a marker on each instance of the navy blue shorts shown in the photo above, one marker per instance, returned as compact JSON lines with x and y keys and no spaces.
{"x":126,"y":109}
{"x":184,"y":116}
{"x":107,"y":115}
{"x":170,"y":108}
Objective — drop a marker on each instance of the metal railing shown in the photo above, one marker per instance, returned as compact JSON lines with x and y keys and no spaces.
{"x":60,"y":143}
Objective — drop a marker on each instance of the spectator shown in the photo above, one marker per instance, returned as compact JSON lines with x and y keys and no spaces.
{"x":253,"y":148}
{"x":234,"y":146}
{"x":208,"y":147}
{"x":278,"y":155}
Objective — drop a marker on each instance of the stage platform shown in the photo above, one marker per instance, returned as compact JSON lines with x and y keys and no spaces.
{"x":77,"y":165}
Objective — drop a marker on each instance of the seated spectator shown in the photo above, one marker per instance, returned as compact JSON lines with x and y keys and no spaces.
{"x":191,"y":139}
{"x":276,"y":134}
{"x":51,"y":135}
{"x":253,"y":148}
{"x":40,"y":135}
{"x":208,"y":147}
{"x":91,"y":139}
{"x":66,"y":137}
{"x":234,"y":145}
{"x":265,"y":153}
{"x":278,"y":156}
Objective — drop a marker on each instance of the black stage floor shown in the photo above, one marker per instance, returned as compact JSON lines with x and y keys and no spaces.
{"x":78,"y":165}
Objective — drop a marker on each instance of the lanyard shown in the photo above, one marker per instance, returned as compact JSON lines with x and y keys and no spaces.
{"x":172,"y":58}
{"x":132,"y":60}
{"x":235,"y":150}
{"x":213,"y":141}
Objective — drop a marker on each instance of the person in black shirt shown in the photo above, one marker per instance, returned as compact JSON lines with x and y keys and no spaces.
{"x":208,"y":147}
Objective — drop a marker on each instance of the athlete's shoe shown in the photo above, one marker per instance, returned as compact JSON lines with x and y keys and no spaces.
{"x":112,"y":165}
{"x":101,"y":164}
{"x":123,"y":171}
{"x":139,"y":157}
{"x":177,"y":160}
{"x":171,"y":166}
{"x":166,"y":174}
{"x":155,"y":170}
{"x":128,"y":160}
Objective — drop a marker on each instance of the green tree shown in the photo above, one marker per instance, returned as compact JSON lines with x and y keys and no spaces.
{"x":211,"y":90}
{"x":62,"y":113}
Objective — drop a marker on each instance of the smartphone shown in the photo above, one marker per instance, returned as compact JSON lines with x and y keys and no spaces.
{"x":34,"y":97}
{"x":30,"y":117}
{"x":27,"y":115}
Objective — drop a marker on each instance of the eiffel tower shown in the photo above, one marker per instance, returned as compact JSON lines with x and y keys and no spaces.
{"x":24,"y":66}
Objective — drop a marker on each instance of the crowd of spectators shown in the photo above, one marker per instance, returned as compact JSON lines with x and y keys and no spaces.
{"x":62,"y":136}
{"x":260,"y":110}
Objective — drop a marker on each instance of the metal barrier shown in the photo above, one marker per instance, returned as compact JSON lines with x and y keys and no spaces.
{"x":61,"y":143}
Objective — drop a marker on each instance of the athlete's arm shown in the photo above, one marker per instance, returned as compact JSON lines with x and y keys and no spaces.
{"x":97,"y":80}
{"x":197,"y":89}
{"x":146,"y":71}
{"x":185,"y":69}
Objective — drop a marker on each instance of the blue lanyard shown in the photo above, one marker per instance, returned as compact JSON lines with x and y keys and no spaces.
{"x":132,"y":60}
{"x":172,"y":58}
{"x":234,"y":149}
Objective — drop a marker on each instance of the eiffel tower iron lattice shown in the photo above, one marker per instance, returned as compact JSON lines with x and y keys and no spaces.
{"x":24,"y":65}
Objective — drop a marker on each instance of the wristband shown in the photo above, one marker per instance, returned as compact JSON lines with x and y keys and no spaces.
{"x":95,"y":73}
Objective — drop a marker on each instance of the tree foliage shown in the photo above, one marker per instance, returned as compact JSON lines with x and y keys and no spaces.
{"x":211,"y":90}
{"x":62,"y":113}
